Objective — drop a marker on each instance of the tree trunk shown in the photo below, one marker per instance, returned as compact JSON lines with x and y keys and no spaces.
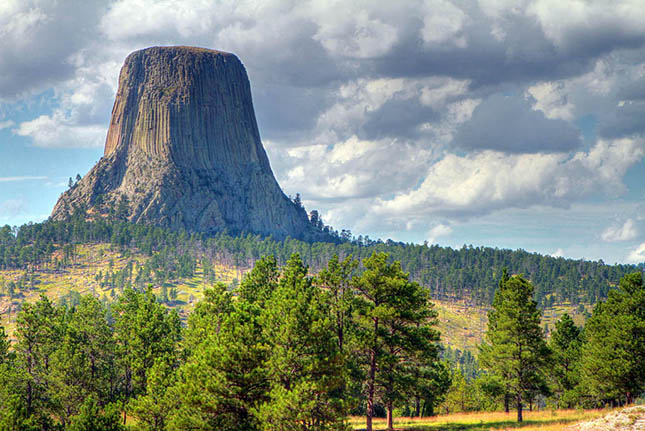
{"x":371,"y":381}
{"x":390,"y":422}
{"x":506,"y":403}
{"x":519,"y":409}
{"x":417,"y":406}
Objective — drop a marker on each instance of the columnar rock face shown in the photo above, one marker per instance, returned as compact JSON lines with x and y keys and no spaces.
{"x":183,"y":150}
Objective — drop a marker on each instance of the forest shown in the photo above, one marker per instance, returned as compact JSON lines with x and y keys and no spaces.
{"x":287,"y":350}
{"x":467,"y":274}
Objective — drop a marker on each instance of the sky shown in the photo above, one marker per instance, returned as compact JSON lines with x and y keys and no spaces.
{"x":502,"y":123}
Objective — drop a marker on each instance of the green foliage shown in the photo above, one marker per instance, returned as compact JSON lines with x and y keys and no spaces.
{"x":208,"y":316}
{"x":143,"y":330}
{"x":259,"y":283}
{"x":515,"y":348}
{"x":396,"y":332}
{"x":304,"y":366}
{"x":152,"y":409}
{"x":566,"y":346}
{"x":470,"y":272}
{"x":224,"y":379}
{"x":83,"y":363}
{"x":92,"y":418}
{"x":39,"y":332}
{"x":613,"y":364}
{"x":4,"y":346}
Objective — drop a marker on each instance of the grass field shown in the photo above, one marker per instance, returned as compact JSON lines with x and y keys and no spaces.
{"x":546,"y":420}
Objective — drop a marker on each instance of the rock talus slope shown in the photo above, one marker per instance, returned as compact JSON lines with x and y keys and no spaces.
{"x":183,"y":150}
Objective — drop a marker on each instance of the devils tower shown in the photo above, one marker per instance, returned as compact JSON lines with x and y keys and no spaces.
{"x":183,"y":151}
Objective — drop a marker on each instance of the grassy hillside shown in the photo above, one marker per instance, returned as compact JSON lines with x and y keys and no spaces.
{"x":461,"y":323}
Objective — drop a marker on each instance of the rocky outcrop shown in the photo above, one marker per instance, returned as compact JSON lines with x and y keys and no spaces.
{"x":183,"y":150}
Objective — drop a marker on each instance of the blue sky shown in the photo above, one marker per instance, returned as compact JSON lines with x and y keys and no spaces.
{"x":514,"y":124}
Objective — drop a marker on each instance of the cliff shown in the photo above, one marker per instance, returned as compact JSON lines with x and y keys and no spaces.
{"x":183,"y":150}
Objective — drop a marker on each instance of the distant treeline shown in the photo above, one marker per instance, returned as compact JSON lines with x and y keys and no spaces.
{"x":469,"y":273}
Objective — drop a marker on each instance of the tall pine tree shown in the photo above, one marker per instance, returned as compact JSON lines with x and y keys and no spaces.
{"x":514,"y":347}
{"x":613,"y":366}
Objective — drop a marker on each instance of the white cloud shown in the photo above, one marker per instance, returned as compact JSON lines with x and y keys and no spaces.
{"x":443,"y":23}
{"x":624,"y":232}
{"x":21,"y":178}
{"x":565,"y":22}
{"x":637,"y":255}
{"x":6,"y":124}
{"x":56,"y":131}
{"x":551,"y":99}
{"x":438,"y":231}
{"x":483,"y":182}
{"x":558,"y":253}
{"x":354,"y":33}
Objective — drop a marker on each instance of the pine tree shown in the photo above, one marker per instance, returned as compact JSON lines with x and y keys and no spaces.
{"x":304,"y":365}
{"x":396,"y":322}
{"x":514,"y":347}
{"x":83,"y":363}
{"x":4,"y":346}
{"x":613,"y":365}
{"x":566,"y":345}
{"x":223,"y":381}
{"x":143,"y":331}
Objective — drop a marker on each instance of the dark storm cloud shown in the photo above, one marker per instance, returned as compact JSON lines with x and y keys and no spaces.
{"x":521,"y":54}
{"x":39,"y":41}
{"x":509,"y":124}
{"x":397,"y":118}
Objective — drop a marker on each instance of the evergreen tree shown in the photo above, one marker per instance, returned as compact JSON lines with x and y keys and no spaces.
{"x":259,"y":283}
{"x":92,"y":418}
{"x":514,"y":347}
{"x":153,"y":409}
{"x":208,"y":316}
{"x":4,"y":346}
{"x":224,"y":380}
{"x":39,"y":329}
{"x":566,"y":345}
{"x":396,"y":323}
{"x":613,"y":365}
{"x":83,"y":363}
{"x":304,"y":366}
{"x":143,"y":330}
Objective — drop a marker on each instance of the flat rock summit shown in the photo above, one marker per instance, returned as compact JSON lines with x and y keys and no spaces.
{"x":183,"y":150}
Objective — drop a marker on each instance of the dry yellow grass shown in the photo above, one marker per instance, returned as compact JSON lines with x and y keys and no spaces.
{"x":546,"y":420}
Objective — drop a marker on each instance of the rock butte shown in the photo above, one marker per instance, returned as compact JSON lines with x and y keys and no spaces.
{"x":184,"y":148}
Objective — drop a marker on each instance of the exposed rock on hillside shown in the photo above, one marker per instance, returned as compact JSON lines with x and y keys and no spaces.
{"x":629,"y":419}
{"x":183,"y":150}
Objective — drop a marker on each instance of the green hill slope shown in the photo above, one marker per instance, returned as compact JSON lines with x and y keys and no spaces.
{"x":66,"y":258}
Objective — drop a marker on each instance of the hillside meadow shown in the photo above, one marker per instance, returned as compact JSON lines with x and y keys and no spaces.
{"x":462,"y":325}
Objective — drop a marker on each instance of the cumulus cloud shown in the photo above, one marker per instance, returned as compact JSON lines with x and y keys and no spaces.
{"x":479,"y":183}
{"x":39,"y":39}
{"x":558,"y":253}
{"x":637,"y":255}
{"x":625,"y":232}
{"x":438,"y":231}
{"x":57,"y":131}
